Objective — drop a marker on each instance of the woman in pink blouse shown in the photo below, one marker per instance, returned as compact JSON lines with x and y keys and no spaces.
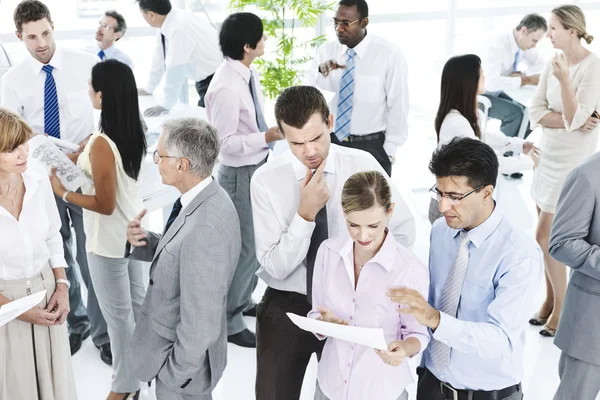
{"x":351,"y":277}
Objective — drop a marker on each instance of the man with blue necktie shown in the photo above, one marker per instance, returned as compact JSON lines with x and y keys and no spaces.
{"x":502,"y":64}
{"x":111,"y":28}
{"x":369,"y":76}
{"x":484,"y":274}
{"x":50,"y":91}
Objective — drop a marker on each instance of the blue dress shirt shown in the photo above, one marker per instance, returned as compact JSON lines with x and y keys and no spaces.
{"x":487,"y":337}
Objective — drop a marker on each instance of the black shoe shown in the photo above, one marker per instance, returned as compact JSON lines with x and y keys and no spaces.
{"x":106,"y":354}
{"x":250,"y":313}
{"x":75,"y":340}
{"x":244,"y":339}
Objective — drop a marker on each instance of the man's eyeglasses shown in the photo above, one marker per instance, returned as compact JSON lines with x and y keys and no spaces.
{"x":156,"y":157}
{"x":343,"y":24}
{"x":105,"y":26}
{"x":454,"y":199}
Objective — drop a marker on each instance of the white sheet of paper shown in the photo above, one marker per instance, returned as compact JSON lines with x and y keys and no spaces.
{"x":370,"y":337}
{"x":12,"y":310}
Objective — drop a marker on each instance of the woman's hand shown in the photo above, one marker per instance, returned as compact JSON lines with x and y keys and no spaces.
{"x":328,"y":316}
{"x":527,"y":147}
{"x":38,"y":316}
{"x":59,"y":304}
{"x":535,"y":156}
{"x":560,"y":68}
{"x":395,"y":354}
{"x":57,"y":186}
{"x":590,"y":124}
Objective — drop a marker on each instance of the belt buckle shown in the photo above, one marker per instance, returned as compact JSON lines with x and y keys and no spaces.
{"x":454,"y":391}
{"x":346,"y":139}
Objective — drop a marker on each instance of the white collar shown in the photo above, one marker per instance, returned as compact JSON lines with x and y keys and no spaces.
{"x":55,"y":61}
{"x":191,"y":194}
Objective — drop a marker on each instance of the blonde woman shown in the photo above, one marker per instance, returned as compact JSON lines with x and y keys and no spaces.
{"x":350,"y":281}
{"x":35,"y":357}
{"x":565,"y":107}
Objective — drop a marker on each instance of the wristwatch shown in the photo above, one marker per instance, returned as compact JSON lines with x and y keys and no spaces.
{"x":65,"y":194}
{"x":64,"y":281}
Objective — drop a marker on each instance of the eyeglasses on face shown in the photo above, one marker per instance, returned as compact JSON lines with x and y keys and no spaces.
{"x":105,"y":26}
{"x":344,"y":24}
{"x":453,"y":198}
{"x":156,"y":157}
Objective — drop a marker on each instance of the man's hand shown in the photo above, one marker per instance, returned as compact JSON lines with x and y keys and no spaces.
{"x":415,"y":305}
{"x":59,"y":304}
{"x":394,"y":355}
{"x":135,"y":233}
{"x":516,"y":74}
{"x":314,"y":193}
{"x":38,"y":316}
{"x":328,"y":316}
{"x":273,"y":134}
{"x":329,"y":66}
{"x":155,"y":111}
{"x":142,"y":92}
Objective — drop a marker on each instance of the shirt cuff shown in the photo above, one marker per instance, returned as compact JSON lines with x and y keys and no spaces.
{"x":422,"y":338}
{"x":448,"y":329}
{"x":57,"y":262}
{"x":258,"y":140}
{"x":390,"y":148}
{"x":301,"y":227}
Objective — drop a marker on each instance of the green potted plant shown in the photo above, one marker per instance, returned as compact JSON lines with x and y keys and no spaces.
{"x":283,"y":70}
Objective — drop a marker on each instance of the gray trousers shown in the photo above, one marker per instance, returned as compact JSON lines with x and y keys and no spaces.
{"x":507,"y":110}
{"x":120,"y":289}
{"x":578,"y":379}
{"x":320,"y":396}
{"x":236,"y":182}
{"x":164,"y":393}
{"x":79,"y":319}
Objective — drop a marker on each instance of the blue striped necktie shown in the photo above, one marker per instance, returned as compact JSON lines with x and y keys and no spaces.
{"x":51,"y":115}
{"x":101,"y":54}
{"x":440,"y":352}
{"x":344,"y":110}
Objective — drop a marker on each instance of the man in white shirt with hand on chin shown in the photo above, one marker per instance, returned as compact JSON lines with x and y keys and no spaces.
{"x":369,"y":76}
{"x":186,"y":48}
{"x":505,"y":54}
{"x":49,"y":90}
{"x":111,"y":28}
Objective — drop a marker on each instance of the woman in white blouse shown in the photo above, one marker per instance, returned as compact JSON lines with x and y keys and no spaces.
{"x":113,"y":160}
{"x":566,"y":98}
{"x":459,"y":115}
{"x":35,"y":357}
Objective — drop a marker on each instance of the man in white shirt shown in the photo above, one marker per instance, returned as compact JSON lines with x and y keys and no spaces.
{"x":506,"y":54}
{"x":186,"y":48}
{"x":50,"y":91}
{"x":111,"y":28}
{"x":296,"y":204}
{"x":369,"y":76}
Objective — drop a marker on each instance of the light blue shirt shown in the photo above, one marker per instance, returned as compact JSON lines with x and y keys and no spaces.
{"x":487,"y":337}
{"x":112,"y":52}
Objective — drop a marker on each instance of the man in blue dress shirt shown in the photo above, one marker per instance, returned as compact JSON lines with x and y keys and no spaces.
{"x":484,"y":274}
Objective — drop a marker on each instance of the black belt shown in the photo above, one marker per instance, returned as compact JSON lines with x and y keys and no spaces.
{"x":365,"y":138}
{"x":290,"y":296}
{"x":450,"y":393}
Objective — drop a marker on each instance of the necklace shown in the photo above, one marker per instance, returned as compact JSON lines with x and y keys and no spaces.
{"x":360,"y":262}
{"x":6,"y":194}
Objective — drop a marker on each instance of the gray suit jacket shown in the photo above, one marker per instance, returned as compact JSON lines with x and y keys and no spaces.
{"x":181,"y":337}
{"x":575,"y":241}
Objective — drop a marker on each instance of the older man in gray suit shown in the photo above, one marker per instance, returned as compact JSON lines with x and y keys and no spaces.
{"x":575,"y":241}
{"x":181,"y":339}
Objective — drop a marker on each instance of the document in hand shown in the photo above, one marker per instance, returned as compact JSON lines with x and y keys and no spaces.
{"x":370,"y":337}
{"x":12,"y":310}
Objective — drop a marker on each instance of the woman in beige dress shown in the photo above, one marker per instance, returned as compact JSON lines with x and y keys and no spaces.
{"x":35,"y":356}
{"x":566,"y":98}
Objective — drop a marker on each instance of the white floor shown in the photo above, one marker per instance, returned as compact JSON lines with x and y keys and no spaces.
{"x":410,"y":173}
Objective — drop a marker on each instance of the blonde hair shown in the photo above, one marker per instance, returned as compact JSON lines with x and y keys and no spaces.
{"x":14,"y":131}
{"x":364,"y":190}
{"x":572,"y":17}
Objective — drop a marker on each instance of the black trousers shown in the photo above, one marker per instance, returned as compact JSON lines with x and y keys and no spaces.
{"x":283,"y":350}
{"x":374,"y":147}
{"x":202,"y":88}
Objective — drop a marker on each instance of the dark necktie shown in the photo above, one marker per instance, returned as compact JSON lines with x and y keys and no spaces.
{"x":51,"y":114}
{"x":101,"y":54}
{"x":318,"y":236}
{"x":260,"y":118}
{"x":174,"y":213}
{"x":162,"y":39}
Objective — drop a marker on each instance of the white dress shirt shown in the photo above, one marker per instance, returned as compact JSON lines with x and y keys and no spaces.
{"x":455,"y":124}
{"x":283,"y":237}
{"x":32,"y":241}
{"x":499,"y":59}
{"x":113,"y":52}
{"x":380,"y":101}
{"x":191,"y":194}
{"x":22,"y":91}
{"x":192,"y":52}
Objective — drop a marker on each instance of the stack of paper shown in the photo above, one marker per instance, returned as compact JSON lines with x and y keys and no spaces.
{"x":12,"y":310}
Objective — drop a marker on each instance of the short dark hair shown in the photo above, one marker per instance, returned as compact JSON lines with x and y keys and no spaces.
{"x":467,"y":157}
{"x":295,"y":105}
{"x":162,"y":7}
{"x":533,"y":22}
{"x":30,"y":11}
{"x":361,"y":6}
{"x":121,"y":24}
{"x":238,"y":30}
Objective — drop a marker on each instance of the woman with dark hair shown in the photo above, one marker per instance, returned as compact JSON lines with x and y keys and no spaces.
{"x":459,"y":115}
{"x":113,"y":160}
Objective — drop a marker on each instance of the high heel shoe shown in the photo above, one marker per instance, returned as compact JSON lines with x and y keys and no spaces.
{"x":537,"y":320}
{"x":132,"y":396}
{"x":548,"y":332}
